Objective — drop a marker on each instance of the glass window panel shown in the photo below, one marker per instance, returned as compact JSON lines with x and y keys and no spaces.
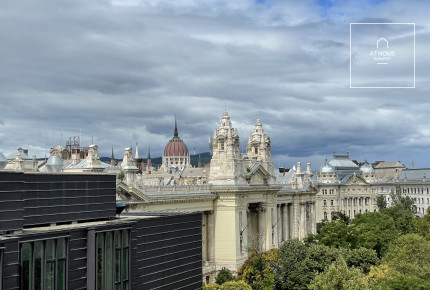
{"x":50,"y":274}
{"x":117,"y":265}
{"x":61,"y":275}
{"x":39,"y":264}
{"x":50,"y":249}
{"x":117,"y":239}
{"x":125,"y":264}
{"x":26,"y":264}
{"x":109,"y":264}
{"x":125,"y":234}
{"x":125,"y":285}
{"x":61,"y":247}
{"x":100,"y":261}
{"x":118,"y":286}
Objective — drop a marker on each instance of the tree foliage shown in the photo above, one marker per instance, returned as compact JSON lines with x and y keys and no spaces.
{"x":410,"y":256}
{"x":292,"y":270}
{"x":334,"y":234}
{"x":403,"y":218}
{"x":373,"y":230}
{"x":381,"y":202}
{"x":339,"y":276}
{"x":258,"y":270}
{"x":223,"y":276}
{"x":400,"y":281}
{"x":360,"y":258}
{"x":338,"y":215}
{"x":404,"y":200}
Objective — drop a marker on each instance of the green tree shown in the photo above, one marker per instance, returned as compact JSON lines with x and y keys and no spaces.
{"x":410,"y":255}
{"x":292,"y":272}
{"x":258,"y":270}
{"x":381,"y":202}
{"x":121,"y":175}
{"x":338,"y":215}
{"x":403,"y":218}
{"x":404,"y":200}
{"x":422,"y":225}
{"x":373,"y":230}
{"x":339,"y":276}
{"x":334,"y":234}
{"x":361,"y":258}
{"x":319,"y":257}
{"x":235,"y":285}
{"x":400,"y":281}
{"x":223,"y":276}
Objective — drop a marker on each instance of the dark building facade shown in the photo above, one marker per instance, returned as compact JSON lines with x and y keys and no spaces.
{"x":59,"y":231}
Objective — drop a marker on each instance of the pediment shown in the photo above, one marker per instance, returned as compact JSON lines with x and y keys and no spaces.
{"x":355,"y":179}
{"x":257,"y":175}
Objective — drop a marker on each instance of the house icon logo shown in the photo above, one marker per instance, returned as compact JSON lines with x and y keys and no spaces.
{"x":381,"y":42}
{"x":382,"y":55}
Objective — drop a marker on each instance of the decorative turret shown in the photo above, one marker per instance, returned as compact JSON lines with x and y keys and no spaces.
{"x":129,"y":167}
{"x":259,"y":147}
{"x":226,"y":163}
{"x":92,"y":161}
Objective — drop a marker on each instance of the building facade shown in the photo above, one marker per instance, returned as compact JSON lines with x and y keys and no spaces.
{"x":60,"y":231}
{"x":243,"y":208}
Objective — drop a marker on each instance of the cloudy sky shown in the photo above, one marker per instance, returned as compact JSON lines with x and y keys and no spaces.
{"x":119,"y":71}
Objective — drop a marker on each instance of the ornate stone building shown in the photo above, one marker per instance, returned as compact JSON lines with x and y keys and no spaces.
{"x":346,"y":187}
{"x":243,"y":207}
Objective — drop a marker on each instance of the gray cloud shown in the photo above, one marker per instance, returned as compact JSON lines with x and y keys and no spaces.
{"x":119,"y":73}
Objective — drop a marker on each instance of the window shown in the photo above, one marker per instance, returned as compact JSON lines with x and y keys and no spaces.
{"x":331,"y":202}
{"x":222,"y":146}
{"x":44,"y":265}
{"x":113,"y":260}
{"x":325,"y":215}
{"x":256,"y":150}
{"x":325,"y":202}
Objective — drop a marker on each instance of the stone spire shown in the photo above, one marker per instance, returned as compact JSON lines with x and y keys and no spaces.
{"x":259,"y":148}
{"x":112,"y":159}
{"x":175,"y":133}
{"x":137,"y":153}
{"x":148,"y":161}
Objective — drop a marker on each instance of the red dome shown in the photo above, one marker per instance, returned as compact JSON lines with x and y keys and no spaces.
{"x":176,"y":147}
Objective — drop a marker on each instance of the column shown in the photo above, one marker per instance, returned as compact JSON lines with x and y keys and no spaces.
{"x":279,"y":225}
{"x":302,"y":228}
{"x":261,"y":240}
{"x":285,"y":222}
{"x":211,"y":236}
{"x":292,"y":221}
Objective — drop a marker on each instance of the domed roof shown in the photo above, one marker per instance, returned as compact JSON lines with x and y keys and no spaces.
{"x":326,"y":168}
{"x":367,"y":168}
{"x":54,"y":164}
{"x":175,"y":147}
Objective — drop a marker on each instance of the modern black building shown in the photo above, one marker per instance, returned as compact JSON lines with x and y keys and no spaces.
{"x":59,"y":231}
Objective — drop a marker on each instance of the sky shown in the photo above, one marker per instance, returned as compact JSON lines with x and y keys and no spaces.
{"x":117,"y":73}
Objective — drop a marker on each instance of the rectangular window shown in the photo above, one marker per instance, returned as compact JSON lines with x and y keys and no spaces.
{"x":222,"y":146}
{"x":44,"y":265}
{"x":113,"y":260}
